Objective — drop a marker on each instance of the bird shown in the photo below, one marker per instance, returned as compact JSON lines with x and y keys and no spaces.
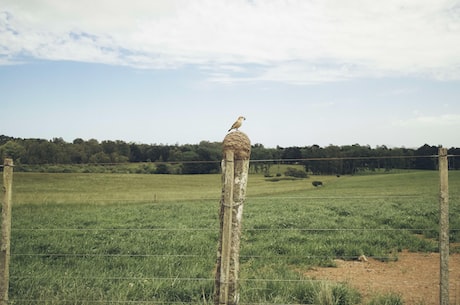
{"x":237,"y":123}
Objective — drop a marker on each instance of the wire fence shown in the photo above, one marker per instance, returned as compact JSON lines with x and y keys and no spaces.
{"x":252,"y":161}
{"x":55,"y":275}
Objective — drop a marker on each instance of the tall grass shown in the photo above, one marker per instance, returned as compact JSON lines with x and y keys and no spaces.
{"x":105,"y":238}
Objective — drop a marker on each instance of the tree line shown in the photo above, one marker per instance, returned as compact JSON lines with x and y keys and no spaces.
{"x":205,"y":156}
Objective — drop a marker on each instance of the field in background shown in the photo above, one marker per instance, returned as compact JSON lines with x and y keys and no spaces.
{"x":122,"y":237}
{"x":38,"y":188}
{"x":99,"y":188}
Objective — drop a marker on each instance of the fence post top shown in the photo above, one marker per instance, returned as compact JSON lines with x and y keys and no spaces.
{"x":239,"y":143}
{"x":442,"y":151}
{"x":8,"y":162}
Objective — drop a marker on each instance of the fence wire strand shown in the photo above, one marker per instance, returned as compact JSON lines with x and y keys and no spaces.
{"x":275,"y":160}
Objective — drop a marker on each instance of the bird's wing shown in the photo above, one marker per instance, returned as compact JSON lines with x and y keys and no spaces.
{"x":234,"y":125}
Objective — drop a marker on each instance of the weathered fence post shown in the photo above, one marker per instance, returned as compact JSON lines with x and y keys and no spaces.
{"x":443,"y":227}
{"x":6,"y":230}
{"x":235,"y":167}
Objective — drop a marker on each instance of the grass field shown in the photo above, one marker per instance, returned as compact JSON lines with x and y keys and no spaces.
{"x":126,"y":238}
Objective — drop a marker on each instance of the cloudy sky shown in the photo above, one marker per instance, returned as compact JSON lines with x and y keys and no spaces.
{"x":302,"y":72}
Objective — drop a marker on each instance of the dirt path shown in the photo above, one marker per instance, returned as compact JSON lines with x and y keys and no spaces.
{"x":415,"y":276}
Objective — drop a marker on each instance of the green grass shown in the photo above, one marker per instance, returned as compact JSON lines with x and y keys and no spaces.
{"x":106,"y":238}
{"x":46,"y":188}
{"x":387,"y":299}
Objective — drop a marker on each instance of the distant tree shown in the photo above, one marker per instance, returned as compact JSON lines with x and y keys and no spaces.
{"x":78,"y":141}
{"x":191,"y":165}
{"x":4,"y":139}
{"x":108,"y":147}
{"x":92,"y":147}
{"x":77,"y":152}
{"x":136,"y":154}
{"x":12,"y":149}
{"x":202,"y":159}
{"x":117,"y":158}
{"x":316,"y":167}
{"x":259,"y":152}
{"x":100,"y":157}
{"x":205,"y":156}
{"x":454,"y":161}
{"x":123,"y":149}
{"x":429,"y":162}
{"x":158,"y":152}
{"x":211,"y":153}
{"x":33,"y":151}
{"x":291,"y":153}
{"x":61,"y":151}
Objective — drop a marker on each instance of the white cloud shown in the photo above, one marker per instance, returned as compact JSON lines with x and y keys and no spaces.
{"x":291,"y":41}
{"x":421,"y":121}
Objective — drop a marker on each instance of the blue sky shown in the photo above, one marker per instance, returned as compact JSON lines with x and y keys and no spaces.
{"x":177,"y":71}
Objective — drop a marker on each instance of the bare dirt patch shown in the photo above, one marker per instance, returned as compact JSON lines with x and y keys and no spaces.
{"x":415,"y":276}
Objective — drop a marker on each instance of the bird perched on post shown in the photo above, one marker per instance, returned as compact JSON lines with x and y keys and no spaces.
{"x":238,"y":123}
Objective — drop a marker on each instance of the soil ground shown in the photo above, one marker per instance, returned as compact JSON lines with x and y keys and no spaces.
{"x":414,"y":276}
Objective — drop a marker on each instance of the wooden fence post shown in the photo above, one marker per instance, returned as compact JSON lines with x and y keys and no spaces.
{"x":443,"y":227}
{"x":235,"y":168}
{"x":6,"y":230}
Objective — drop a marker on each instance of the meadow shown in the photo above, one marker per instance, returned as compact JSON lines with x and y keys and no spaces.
{"x":152,"y":239}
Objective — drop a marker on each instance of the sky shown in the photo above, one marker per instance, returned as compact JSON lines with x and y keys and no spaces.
{"x":302,"y":72}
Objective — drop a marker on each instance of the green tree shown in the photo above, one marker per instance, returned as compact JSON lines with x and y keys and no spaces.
{"x":428,"y":162}
{"x":13,"y":150}
{"x":191,"y":165}
{"x":100,"y":157}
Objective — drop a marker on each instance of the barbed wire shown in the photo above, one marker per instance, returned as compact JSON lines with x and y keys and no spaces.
{"x":216,"y":230}
{"x":204,"y":302}
{"x":82,"y":301}
{"x":275,"y":160}
{"x":349,"y":158}
{"x":413,"y":230}
{"x":249,"y":280}
{"x":268,"y":257}
{"x":141,"y":302}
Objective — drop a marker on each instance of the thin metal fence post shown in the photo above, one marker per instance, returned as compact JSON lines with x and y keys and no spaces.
{"x":443,"y":227}
{"x":6,"y":230}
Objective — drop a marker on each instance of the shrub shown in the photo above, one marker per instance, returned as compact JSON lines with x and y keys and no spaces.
{"x":327,"y":293}
{"x":162,"y":169}
{"x":317,"y":183}
{"x":294,"y":172}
